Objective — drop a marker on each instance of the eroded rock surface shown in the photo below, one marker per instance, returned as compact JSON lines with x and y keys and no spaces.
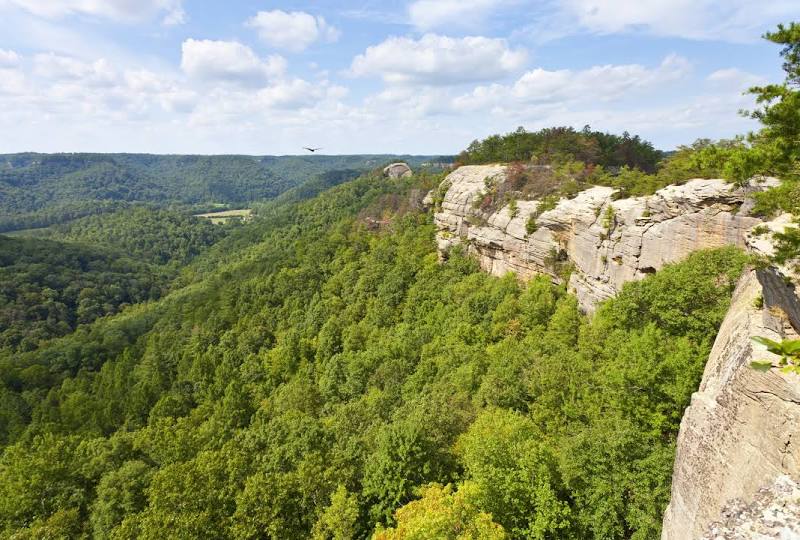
{"x":775,"y":513}
{"x":742,"y":429}
{"x":397,"y":170}
{"x":608,"y":242}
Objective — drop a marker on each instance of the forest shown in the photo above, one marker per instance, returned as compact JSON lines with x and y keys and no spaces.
{"x":38,"y":190}
{"x":319,"y":373}
{"x":313,"y":385}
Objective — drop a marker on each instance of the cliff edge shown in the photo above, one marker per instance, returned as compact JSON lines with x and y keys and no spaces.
{"x":741,"y":433}
{"x":739,"y":443}
{"x":603,"y":241}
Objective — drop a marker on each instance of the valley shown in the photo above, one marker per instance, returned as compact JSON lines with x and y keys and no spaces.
{"x":555,"y":333}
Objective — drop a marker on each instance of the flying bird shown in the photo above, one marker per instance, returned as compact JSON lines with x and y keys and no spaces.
{"x":311,"y":149}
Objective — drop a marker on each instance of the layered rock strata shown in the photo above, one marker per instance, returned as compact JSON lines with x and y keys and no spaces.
{"x":607,"y":242}
{"x":737,"y":463}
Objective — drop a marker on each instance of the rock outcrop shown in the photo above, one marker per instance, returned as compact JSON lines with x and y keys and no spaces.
{"x":775,"y":513}
{"x":737,"y":462}
{"x":397,"y":170}
{"x":606,"y":241}
{"x":741,"y":432}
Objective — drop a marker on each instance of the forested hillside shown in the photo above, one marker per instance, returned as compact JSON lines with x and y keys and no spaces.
{"x":331,"y":379}
{"x":158,"y":236}
{"x":37,"y":190}
{"x":556,"y":144}
{"x":320,"y":373}
{"x":48,"y":288}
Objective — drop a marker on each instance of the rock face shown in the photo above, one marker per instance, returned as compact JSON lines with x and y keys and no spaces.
{"x":741,"y":433}
{"x":608,"y":242}
{"x":775,"y":513}
{"x":737,"y":462}
{"x":397,"y":170}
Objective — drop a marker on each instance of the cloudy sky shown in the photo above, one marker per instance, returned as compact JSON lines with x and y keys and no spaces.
{"x":417,"y":76}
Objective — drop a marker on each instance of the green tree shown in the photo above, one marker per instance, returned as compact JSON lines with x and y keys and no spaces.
{"x":442,"y":513}
{"x":120,"y":493}
{"x":339,"y":520}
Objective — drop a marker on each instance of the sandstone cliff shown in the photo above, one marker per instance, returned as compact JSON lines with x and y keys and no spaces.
{"x":738,"y":452}
{"x":741,"y":432}
{"x":607,"y":242}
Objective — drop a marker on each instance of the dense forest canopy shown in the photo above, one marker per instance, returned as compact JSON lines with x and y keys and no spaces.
{"x":156,"y":235}
{"x":48,"y":288}
{"x":37,"y":190}
{"x":313,"y":384}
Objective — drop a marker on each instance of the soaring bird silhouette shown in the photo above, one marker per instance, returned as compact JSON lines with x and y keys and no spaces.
{"x":311,"y":149}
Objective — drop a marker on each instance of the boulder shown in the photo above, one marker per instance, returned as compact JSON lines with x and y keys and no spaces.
{"x":397,"y":170}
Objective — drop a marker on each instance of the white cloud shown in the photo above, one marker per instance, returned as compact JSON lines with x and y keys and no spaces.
{"x":120,"y":10}
{"x":8,"y":58}
{"x":228,"y":61}
{"x":430,"y":14}
{"x":12,"y":81}
{"x":731,"y":20}
{"x":294,"y":31}
{"x":53,"y":66}
{"x":735,"y":78}
{"x":175,"y":16}
{"x":297,"y":94}
{"x":599,"y":83}
{"x":596,"y":84}
{"x":439,"y":60}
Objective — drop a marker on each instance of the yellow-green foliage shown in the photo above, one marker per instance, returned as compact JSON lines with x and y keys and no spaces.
{"x":444,"y":513}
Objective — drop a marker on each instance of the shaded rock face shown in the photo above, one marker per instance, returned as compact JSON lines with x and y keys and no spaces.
{"x":741,"y":433}
{"x":397,"y":170}
{"x":607,"y":242}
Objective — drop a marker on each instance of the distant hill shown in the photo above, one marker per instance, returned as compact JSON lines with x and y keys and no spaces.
{"x":42,"y":189}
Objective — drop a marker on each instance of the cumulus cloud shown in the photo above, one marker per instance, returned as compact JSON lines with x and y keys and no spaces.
{"x":294,"y":31}
{"x":734,"y":78}
{"x":120,"y":10}
{"x":439,"y":60}
{"x":297,"y":94}
{"x":8,"y":58}
{"x":732,"y":20}
{"x":430,"y":14}
{"x":605,"y":83}
{"x":596,"y":84}
{"x":57,"y":67}
{"x":228,"y":61}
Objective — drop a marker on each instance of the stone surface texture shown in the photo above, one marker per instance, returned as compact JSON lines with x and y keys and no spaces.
{"x":738,"y":451}
{"x":608,"y":242}
{"x":774,"y":513}
{"x":397,"y":170}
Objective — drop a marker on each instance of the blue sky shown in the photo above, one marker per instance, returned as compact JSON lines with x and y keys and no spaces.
{"x":412,"y":76}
